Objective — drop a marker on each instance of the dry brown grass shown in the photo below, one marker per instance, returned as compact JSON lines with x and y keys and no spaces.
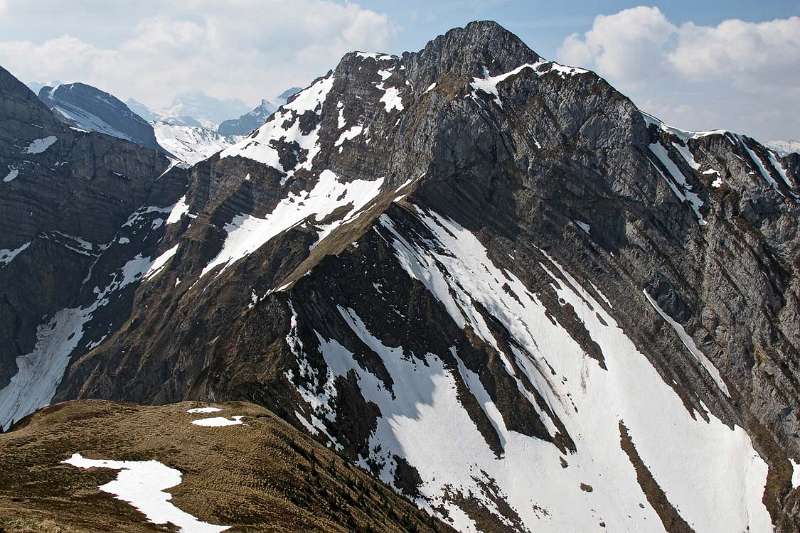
{"x":263,"y":475}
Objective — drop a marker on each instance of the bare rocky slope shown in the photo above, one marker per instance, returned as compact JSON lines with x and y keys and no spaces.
{"x":487,"y":278}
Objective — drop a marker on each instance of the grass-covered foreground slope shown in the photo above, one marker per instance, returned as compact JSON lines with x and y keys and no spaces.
{"x":260,"y":474}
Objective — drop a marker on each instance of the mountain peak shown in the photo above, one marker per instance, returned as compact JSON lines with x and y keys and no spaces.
{"x":477,"y":46}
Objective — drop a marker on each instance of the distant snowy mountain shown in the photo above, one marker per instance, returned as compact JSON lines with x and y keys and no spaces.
{"x":88,"y":108}
{"x":285,"y":95}
{"x":785,"y":147}
{"x":247,"y":122}
{"x":141,"y":109}
{"x":189,"y":141}
{"x":209,"y":111}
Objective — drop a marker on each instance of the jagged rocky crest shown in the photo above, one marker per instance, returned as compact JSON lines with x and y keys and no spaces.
{"x":485,"y":277}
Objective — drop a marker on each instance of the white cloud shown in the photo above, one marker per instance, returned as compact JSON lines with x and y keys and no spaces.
{"x":245,"y":49}
{"x":737,"y":75}
{"x":622,"y":46}
{"x":741,"y":51}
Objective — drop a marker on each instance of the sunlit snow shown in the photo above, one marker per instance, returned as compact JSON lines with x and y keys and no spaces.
{"x":178,"y":210}
{"x":349,"y":134}
{"x":488,"y":84}
{"x":190,"y":144}
{"x":247,"y":233}
{"x":700,"y":465}
{"x":160,"y":262}
{"x":258,"y":146}
{"x":218,"y":421}
{"x":143,"y":484}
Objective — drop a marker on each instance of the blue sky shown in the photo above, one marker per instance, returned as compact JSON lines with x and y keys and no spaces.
{"x":544,"y":25}
{"x":697,"y":64}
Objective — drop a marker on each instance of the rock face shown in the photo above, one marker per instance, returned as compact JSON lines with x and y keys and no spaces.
{"x":247,"y":122}
{"x":90,"y":109}
{"x":259,"y":474}
{"x":77,"y":212}
{"x":495,"y":283}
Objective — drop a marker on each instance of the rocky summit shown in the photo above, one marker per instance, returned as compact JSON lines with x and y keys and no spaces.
{"x":486,"y":278}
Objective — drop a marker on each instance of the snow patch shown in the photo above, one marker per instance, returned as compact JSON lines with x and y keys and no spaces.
{"x":40,"y":371}
{"x":178,"y":210}
{"x":778,"y":165}
{"x":795,"y":474}
{"x":687,"y":155}
{"x":488,"y":84}
{"x":247,"y":233}
{"x":350,"y":134}
{"x":683,"y":135}
{"x":6,"y":256}
{"x":754,"y":157}
{"x":143,"y":484}
{"x":700,"y":465}
{"x":218,"y":421}
{"x":160,"y":262}
{"x":12,"y":175}
{"x":584,"y":226}
{"x":38,"y":146}
{"x":374,"y":55}
{"x":391,"y":99}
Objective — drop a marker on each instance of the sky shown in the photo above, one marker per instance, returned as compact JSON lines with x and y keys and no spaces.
{"x":698,"y":65}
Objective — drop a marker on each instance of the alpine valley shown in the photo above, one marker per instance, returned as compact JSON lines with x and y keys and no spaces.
{"x":487,"y":279}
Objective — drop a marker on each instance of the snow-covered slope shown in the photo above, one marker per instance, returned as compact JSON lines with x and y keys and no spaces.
{"x":190,"y":144}
{"x":616,"y":413}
